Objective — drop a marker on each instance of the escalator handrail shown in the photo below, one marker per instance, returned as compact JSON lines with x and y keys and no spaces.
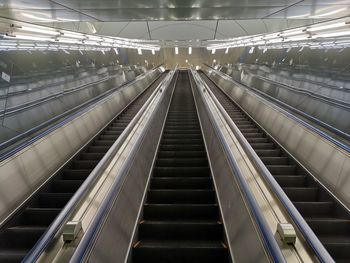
{"x":83,"y":190}
{"x":68,"y":116}
{"x":325,"y":85}
{"x":91,"y":233}
{"x":33,"y":103}
{"x":265,"y":232}
{"x":273,"y":102}
{"x":336,"y":102}
{"x":297,"y":218}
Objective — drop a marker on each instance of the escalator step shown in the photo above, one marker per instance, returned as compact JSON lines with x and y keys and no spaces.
{"x":103,"y":143}
{"x":181,"y":131}
{"x":98,"y":149}
{"x":281,"y":169}
{"x":181,"y":147}
{"x":54,"y":200}
{"x":91,"y":156}
{"x":23,"y":237}
{"x":75,"y":174}
{"x":112,"y":133}
{"x":38,"y":216}
{"x":12,"y":255}
{"x":291,"y":180}
{"x":181,"y":162}
{"x":254,"y":135}
{"x":180,"y":211}
{"x":181,"y":154}
{"x":66,"y":186}
{"x":109,"y":137}
{"x":180,"y":230}
{"x":300,"y":194}
{"x":182,"y":135}
{"x":184,"y":252}
{"x":257,"y":140}
{"x":181,"y":171}
{"x":181,"y":196}
{"x":275,"y":160}
{"x":84,"y":164}
{"x":268,"y":153}
{"x":339,"y":251}
{"x":181,"y":183}
{"x":315,"y":209}
{"x":330,"y":226}
{"x":264,"y":146}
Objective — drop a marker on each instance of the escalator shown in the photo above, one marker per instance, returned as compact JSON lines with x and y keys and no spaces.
{"x":20,"y":233}
{"x":325,"y":215}
{"x":181,"y":220}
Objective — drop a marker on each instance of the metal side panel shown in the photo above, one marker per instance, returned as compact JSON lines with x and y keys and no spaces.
{"x":325,"y":160}
{"x":245,"y":243}
{"x":115,"y":236}
{"x":327,"y":111}
{"x":35,"y":114}
{"x":24,"y":172}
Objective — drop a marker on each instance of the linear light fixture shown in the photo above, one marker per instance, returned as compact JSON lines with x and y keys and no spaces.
{"x":330,"y":26}
{"x":176,"y":50}
{"x":302,"y":36}
{"x":190,"y":50}
{"x":39,"y":30}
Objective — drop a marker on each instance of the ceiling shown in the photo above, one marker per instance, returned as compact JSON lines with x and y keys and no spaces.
{"x":174,"y":19}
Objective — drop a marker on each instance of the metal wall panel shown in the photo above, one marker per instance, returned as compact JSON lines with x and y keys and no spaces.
{"x":24,"y":172}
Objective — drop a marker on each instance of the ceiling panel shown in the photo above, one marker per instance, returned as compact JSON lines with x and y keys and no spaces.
{"x":174,"y":19}
{"x":314,"y":12}
{"x":111,"y":28}
{"x":126,"y":10}
{"x":44,"y":15}
{"x":230,"y":28}
{"x":125,"y":4}
{"x":182,"y":30}
{"x":134,"y":30}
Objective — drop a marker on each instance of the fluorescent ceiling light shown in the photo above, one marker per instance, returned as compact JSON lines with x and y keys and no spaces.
{"x":292,"y":32}
{"x":116,"y":51}
{"x":139,"y":51}
{"x":226,"y":51}
{"x":67,"y":40}
{"x":330,"y":26}
{"x":213,"y":51}
{"x":190,"y":50}
{"x":73,"y":35}
{"x":91,"y":43}
{"x":331,"y":12}
{"x":153,"y":52}
{"x":28,"y":37}
{"x":94,"y":38}
{"x":176,"y":50}
{"x":333,"y":34}
{"x":39,"y":30}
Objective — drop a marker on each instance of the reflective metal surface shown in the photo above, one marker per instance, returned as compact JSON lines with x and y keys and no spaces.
{"x":107,"y":10}
{"x":204,"y":19}
{"x":326,"y":161}
{"x":24,"y":172}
